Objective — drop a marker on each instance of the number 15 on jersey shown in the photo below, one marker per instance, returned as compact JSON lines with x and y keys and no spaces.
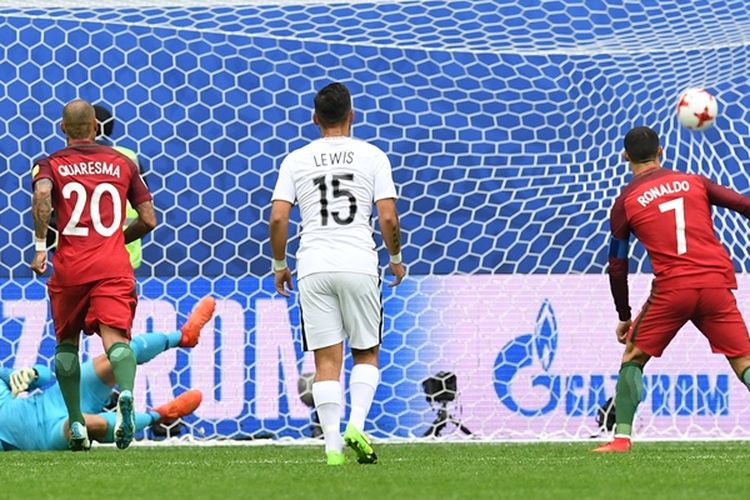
{"x":338,"y":192}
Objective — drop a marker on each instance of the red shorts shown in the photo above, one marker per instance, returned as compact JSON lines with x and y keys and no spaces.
{"x":110,"y":302}
{"x":712,"y":310}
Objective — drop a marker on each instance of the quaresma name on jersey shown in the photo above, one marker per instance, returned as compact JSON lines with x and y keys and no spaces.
{"x":336,"y":180}
{"x":91,"y":183}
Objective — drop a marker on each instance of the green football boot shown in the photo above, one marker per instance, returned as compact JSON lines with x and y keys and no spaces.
{"x":361,"y":444}
{"x":336,"y":458}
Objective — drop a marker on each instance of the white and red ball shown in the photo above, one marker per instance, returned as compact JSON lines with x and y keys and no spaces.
{"x":697,"y":109}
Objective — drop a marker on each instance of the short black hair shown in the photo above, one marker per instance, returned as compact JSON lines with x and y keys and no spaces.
{"x":105,"y":121}
{"x":333,"y":104}
{"x":642,"y":144}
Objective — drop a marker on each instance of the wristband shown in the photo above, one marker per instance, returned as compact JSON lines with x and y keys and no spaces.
{"x":40,"y":244}
{"x":279,"y":265}
{"x":396,"y":259}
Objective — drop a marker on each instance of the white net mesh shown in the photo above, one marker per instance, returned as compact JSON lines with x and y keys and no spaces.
{"x":503,"y":122}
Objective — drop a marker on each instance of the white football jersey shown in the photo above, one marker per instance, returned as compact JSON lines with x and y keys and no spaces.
{"x":336,"y":180}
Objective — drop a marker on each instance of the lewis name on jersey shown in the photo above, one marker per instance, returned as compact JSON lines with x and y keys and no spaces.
{"x":336,"y":180}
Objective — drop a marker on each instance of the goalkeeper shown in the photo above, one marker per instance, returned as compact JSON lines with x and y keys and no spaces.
{"x":106,"y":124}
{"x":40,"y":421}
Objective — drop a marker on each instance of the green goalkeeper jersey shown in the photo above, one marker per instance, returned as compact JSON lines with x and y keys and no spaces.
{"x":134,"y":247}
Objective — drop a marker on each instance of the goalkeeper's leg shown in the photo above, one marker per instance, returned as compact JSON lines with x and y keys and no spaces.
{"x":97,"y":376}
{"x":182,"y":406}
{"x":101,"y":427}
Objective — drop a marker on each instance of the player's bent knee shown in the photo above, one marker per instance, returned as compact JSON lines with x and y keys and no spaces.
{"x":740,"y":365}
{"x":635,"y":355}
{"x":96,"y":426}
{"x":368,"y":356}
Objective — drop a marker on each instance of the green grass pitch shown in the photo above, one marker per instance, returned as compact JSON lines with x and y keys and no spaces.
{"x":409,"y":471}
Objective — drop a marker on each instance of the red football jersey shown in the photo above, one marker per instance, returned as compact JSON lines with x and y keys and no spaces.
{"x":91,"y":183}
{"x":670,"y":213}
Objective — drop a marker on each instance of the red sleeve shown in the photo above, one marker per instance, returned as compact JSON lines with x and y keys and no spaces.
{"x":137,"y":191}
{"x":41,"y":170}
{"x":618,"y":259}
{"x":725,"y":197}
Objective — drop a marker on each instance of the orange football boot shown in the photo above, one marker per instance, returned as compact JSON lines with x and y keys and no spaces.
{"x":202,"y":314}
{"x":619,"y":445}
{"x":181,"y":406}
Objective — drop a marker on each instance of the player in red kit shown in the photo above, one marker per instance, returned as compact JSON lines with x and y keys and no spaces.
{"x":92,"y":288}
{"x":670,"y":213}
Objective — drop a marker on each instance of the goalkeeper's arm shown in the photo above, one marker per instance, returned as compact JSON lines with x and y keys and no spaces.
{"x":144,"y":224}
{"x":391,"y":231}
{"x":25,"y":379}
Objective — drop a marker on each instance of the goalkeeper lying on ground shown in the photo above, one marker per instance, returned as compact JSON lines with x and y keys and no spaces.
{"x":40,"y":421}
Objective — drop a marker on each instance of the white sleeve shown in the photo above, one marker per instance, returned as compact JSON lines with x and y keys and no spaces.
{"x":284,"y":189}
{"x":384,"y":187}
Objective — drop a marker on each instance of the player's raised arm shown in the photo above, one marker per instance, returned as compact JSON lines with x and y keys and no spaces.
{"x":725,"y":197}
{"x":618,"y":267}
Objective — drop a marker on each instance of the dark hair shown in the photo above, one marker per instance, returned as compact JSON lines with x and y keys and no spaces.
{"x":104,"y":120}
{"x":332,"y":104}
{"x":641,"y":144}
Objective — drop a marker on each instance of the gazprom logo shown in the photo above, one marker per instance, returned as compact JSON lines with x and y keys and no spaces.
{"x":527,"y":384}
{"x":521,"y":353}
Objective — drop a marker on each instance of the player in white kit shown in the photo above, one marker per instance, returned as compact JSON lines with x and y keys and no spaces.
{"x":336,"y":180}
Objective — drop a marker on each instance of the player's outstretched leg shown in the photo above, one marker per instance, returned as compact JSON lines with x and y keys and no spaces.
{"x":202,"y":314}
{"x":182,"y":406}
{"x":629,"y":391}
{"x":362,"y":385}
{"x":146,"y":347}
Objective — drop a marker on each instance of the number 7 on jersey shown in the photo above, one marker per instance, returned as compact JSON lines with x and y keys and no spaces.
{"x":678,"y":205}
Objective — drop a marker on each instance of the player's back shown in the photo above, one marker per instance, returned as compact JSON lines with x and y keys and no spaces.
{"x":670,"y":213}
{"x":336,"y":181}
{"x":91,"y":185}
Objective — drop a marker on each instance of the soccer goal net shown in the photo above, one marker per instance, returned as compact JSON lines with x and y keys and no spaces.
{"x":503,"y":121}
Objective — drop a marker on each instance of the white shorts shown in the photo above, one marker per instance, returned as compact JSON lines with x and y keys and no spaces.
{"x":338,"y":306}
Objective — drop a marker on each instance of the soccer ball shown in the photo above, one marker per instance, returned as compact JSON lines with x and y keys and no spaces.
{"x":697,"y":109}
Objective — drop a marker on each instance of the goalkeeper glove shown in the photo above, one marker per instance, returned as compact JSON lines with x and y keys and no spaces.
{"x":21,"y":379}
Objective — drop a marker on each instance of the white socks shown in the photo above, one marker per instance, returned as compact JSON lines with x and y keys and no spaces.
{"x":327,"y":397}
{"x":362,"y":384}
